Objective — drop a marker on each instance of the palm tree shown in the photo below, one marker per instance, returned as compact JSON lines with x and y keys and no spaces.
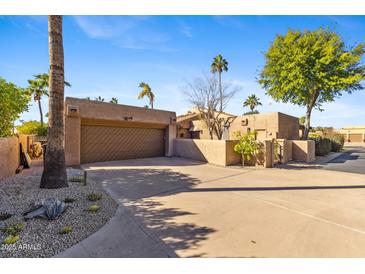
{"x":219,"y":65}
{"x":37,"y":89}
{"x":252,"y":102}
{"x":44,"y":77}
{"x":54,"y":172}
{"x":146,"y":91}
{"x":114,"y":100}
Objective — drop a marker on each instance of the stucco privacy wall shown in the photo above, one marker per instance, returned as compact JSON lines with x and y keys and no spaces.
{"x":9,"y":156}
{"x":82,"y":111}
{"x":303,"y":150}
{"x":285,"y":150}
{"x":218,"y":152}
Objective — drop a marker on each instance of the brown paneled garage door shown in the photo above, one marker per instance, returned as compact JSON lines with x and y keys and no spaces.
{"x":109,"y":143}
{"x":355,"y":138}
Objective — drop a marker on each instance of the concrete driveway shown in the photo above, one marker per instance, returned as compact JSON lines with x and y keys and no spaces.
{"x":352,"y":161}
{"x":190,"y":209}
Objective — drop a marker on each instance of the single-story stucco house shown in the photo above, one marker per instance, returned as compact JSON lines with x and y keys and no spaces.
{"x":274,"y":125}
{"x":99,"y":131}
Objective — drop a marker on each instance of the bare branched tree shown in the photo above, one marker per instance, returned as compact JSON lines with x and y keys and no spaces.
{"x":205,"y":95}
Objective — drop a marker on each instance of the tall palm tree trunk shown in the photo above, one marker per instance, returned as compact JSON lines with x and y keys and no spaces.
{"x":40,"y":111}
{"x":220,"y":91}
{"x":151,"y":103}
{"x":54,"y":173}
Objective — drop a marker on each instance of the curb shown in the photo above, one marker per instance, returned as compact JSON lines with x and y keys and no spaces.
{"x":329,"y":157}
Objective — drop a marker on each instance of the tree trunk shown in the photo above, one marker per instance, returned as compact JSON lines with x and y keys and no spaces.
{"x":54,"y":173}
{"x":151,"y":103}
{"x":40,"y":111}
{"x":243,"y":160}
{"x":220,"y":91}
{"x":307,"y":122}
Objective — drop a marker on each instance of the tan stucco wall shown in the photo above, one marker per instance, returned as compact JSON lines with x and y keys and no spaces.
{"x":218,"y":152}
{"x":288,"y":127}
{"x":9,"y":156}
{"x":268,"y":125}
{"x":286,"y":150}
{"x":303,"y":150}
{"x":102,"y":113}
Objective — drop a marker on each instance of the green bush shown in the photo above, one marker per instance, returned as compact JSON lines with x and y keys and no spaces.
{"x":94,"y":197}
{"x":94,"y":208}
{"x":65,"y":230}
{"x":323,"y":145}
{"x":9,"y":240}
{"x":69,"y":200}
{"x":32,"y":127}
{"x":337,"y":142}
{"x":13,"y":229}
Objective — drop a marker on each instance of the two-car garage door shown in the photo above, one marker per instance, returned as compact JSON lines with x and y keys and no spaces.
{"x":108,"y":143}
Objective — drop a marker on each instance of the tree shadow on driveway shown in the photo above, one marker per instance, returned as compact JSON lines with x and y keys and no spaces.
{"x":135,"y":189}
{"x":138,"y":190}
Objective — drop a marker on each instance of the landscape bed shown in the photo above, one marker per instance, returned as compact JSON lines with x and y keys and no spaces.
{"x":41,"y":237}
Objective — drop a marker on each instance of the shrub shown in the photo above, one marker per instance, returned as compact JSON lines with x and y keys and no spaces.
{"x":4,"y":216}
{"x":94,"y":197}
{"x":65,"y":230}
{"x":94,"y":208}
{"x":251,"y":112}
{"x":32,"y":127}
{"x":247,"y":146}
{"x":337,"y":142}
{"x":323,"y":146}
{"x":9,"y":240}
{"x":69,"y":200}
{"x":14,"y":229}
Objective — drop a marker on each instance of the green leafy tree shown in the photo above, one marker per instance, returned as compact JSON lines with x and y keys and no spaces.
{"x":99,"y":99}
{"x":114,"y":100}
{"x":311,"y":68}
{"x":13,"y":101}
{"x":247,"y":145}
{"x":146,"y":91}
{"x":302,"y":120}
{"x":252,"y":102}
{"x":219,"y":65}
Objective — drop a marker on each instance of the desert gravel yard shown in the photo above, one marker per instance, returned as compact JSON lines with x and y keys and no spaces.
{"x":41,"y":237}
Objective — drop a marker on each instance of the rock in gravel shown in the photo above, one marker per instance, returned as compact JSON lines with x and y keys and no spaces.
{"x":41,"y":237}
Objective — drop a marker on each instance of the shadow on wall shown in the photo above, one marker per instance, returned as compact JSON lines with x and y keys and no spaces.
{"x":132,"y":187}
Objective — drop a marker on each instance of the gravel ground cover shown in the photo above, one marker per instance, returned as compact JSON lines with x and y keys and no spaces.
{"x":41,"y":237}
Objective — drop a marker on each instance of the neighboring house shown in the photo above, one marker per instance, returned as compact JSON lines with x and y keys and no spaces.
{"x":275,"y":125}
{"x":353,"y":134}
{"x":190,"y":126}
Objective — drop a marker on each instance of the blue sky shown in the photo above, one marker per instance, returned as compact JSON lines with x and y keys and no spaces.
{"x":110,"y":55}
